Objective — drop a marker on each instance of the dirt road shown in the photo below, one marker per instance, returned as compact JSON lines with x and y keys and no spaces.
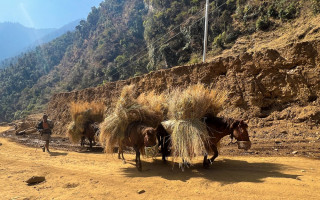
{"x":72,"y":175}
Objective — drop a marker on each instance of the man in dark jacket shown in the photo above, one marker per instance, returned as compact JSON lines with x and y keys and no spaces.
{"x":45,"y":128}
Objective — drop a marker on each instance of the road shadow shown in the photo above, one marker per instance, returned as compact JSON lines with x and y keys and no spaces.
{"x":52,"y":153}
{"x":93,"y":150}
{"x":225,"y":171}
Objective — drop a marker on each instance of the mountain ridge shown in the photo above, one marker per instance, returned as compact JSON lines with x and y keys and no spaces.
{"x":49,"y":35}
{"x":15,"y":37}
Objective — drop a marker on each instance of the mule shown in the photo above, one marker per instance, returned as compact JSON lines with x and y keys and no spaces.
{"x":220,"y":127}
{"x":138,"y":136}
{"x":90,"y":131}
{"x":163,"y":141}
{"x":217,"y":129}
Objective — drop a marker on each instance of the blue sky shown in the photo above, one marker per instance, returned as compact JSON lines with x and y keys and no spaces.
{"x":45,"y":13}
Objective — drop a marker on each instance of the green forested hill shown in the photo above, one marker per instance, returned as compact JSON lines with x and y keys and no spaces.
{"x":125,"y":38}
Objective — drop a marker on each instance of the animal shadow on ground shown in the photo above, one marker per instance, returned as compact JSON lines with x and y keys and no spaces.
{"x":94,"y":150}
{"x":52,"y":153}
{"x":225,"y":171}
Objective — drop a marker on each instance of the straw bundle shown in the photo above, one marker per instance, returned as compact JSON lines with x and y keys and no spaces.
{"x":127,"y":110}
{"x":95,"y":114}
{"x":186,"y":108}
{"x":188,"y":139}
{"x":156,"y":102}
{"x":195,"y":102}
{"x":82,"y":114}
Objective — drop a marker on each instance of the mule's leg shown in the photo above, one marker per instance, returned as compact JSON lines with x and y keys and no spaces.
{"x":138,"y":161}
{"x":163,"y":149}
{"x":166,"y":141}
{"x":82,"y":141}
{"x":119,"y":154}
{"x":206,"y":162}
{"x":124,"y":160}
{"x":120,"y":151}
{"x":90,"y":140}
{"x":159,"y":142}
{"x":184,"y":164}
{"x":215,"y":153}
{"x":164,"y":144}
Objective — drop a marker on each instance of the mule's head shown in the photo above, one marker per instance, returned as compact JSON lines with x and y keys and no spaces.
{"x":240,"y":132}
{"x":150,"y":137}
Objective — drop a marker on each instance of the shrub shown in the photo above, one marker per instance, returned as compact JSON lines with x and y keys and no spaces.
{"x":315,"y":6}
{"x":219,"y":40}
{"x":194,"y":60}
{"x":290,"y":12}
{"x":262,"y":23}
{"x":232,"y":35}
{"x":193,"y":10}
{"x":272,"y":12}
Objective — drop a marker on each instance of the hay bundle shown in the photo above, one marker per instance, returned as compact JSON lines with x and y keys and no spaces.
{"x":82,"y":114}
{"x":127,"y":110}
{"x":186,"y":108}
{"x":156,"y":102}
{"x":195,"y":102}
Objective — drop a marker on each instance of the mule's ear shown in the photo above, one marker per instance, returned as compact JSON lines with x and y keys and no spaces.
{"x":243,"y":124}
{"x":234,"y":125}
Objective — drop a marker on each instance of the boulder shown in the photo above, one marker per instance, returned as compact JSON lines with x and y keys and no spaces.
{"x":35,"y":180}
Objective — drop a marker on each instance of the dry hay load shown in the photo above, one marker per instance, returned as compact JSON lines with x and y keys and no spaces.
{"x":158,"y":103}
{"x":189,"y":134}
{"x":82,"y":114}
{"x":127,"y":110}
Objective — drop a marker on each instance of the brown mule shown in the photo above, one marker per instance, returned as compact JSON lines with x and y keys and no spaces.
{"x":220,"y":127}
{"x":138,"y":136}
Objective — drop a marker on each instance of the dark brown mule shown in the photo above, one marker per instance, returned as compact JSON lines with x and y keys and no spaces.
{"x":221,"y":127}
{"x":138,"y":136}
{"x":163,"y":141}
{"x":90,"y":131}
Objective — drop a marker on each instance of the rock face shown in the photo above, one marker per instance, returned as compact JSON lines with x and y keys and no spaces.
{"x":27,"y":125}
{"x":269,"y":84}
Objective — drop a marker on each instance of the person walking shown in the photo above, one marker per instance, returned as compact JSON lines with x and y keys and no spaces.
{"x":45,"y":128}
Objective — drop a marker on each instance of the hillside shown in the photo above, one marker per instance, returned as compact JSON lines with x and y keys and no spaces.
{"x":122,"y":39}
{"x":14,"y":38}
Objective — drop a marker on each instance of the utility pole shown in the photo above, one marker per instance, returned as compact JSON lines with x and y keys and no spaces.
{"x":205,"y":40}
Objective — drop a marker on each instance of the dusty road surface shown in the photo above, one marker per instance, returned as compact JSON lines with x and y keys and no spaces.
{"x":74,"y":175}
